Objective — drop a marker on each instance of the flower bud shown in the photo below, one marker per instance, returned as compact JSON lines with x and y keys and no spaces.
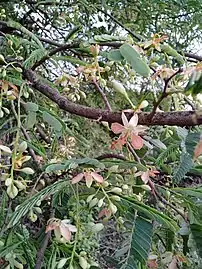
{"x":83,"y":263}
{"x":97,"y":227}
{"x":89,"y":198}
{"x":115,"y":198}
{"x":116,"y":190}
{"x":2,"y":59}
{"x":93,"y":202}
{"x":119,"y":87}
{"x":62,"y":263}
{"x":100,"y":202}
{"x":20,"y":185}
{"x":146,"y":187}
{"x":113,"y":208}
{"x":105,"y":184}
{"x":8,"y":181}
{"x":27,"y":170}
{"x":23,"y":146}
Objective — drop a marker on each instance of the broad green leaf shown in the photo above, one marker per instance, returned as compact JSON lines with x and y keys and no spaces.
{"x":115,"y":55}
{"x":105,"y":37}
{"x":52,"y":121}
{"x":134,"y":58}
{"x":31,"y":107}
{"x":194,"y":85}
{"x":30,"y":120}
{"x":172,"y":52}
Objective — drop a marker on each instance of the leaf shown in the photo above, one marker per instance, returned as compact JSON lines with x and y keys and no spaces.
{"x":158,"y":143}
{"x":51,"y":120}
{"x":151,"y":213}
{"x":191,"y":142}
{"x":30,"y":120}
{"x":133,"y":58}
{"x":194,"y":85}
{"x":196,"y":230}
{"x":105,"y":37}
{"x":31,"y":107}
{"x":186,"y":163}
{"x":141,"y":240}
{"x":28,"y":204}
{"x":9,"y":249}
{"x":35,"y":56}
{"x":195,"y":192}
{"x":115,"y":55}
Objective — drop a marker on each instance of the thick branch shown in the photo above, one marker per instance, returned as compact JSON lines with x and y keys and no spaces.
{"x":181,"y":118}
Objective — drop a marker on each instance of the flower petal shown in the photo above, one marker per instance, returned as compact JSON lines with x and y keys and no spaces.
{"x":77,"y":178}
{"x":117,"y":128}
{"x":65,"y":232}
{"x":136,"y":141}
{"x":72,"y":228}
{"x":97,"y":177}
{"x":145,"y":177}
{"x":57,"y":233}
{"x":124,"y":119}
{"x":134,"y":120}
{"x":89,"y":179}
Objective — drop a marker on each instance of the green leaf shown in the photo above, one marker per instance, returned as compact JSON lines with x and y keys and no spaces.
{"x":140,"y":242}
{"x":196,"y":230}
{"x":105,"y":37}
{"x":194,"y":85}
{"x":195,"y":192}
{"x":152,"y":213}
{"x":31,"y":107}
{"x":35,"y":56}
{"x":158,"y":143}
{"x":186,"y":163}
{"x":115,"y":55}
{"x":30,"y":120}
{"x":52,"y":121}
{"x":191,"y":142}
{"x":9,"y":249}
{"x":29,"y":203}
{"x":134,"y":59}
{"x":172,"y":52}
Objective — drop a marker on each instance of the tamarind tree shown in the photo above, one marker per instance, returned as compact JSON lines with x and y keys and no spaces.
{"x":100,"y":134}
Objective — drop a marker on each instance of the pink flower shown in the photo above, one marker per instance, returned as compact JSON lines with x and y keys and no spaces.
{"x":145,"y":176}
{"x":89,"y":177}
{"x":129,"y":129}
{"x":61,"y":228}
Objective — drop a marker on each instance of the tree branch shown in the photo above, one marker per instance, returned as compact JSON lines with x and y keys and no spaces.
{"x":180,"y":118}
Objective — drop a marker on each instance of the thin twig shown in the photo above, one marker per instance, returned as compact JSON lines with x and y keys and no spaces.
{"x":26,"y":135}
{"x":111,"y":156}
{"x":41,"y":251}
{"x":164,"y":93}
{"x":133,"y":152}
{"x":103,"y":95}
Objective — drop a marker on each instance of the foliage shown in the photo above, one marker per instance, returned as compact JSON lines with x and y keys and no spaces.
{"x":79,"y":80}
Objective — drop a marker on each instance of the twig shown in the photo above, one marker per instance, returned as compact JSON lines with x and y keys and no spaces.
{"x":170,"y":205}
{"x":41,"y":251}
{"x":26,"y":135}
{"x":111,"y":156}
{"x":164,"y":93}
{"x":43,"y":135}
{"x":103,"y":95}
{"x":138,"y":37}
{"x":133,"y":152}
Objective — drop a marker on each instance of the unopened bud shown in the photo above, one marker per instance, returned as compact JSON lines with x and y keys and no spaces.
{"x":119,"y":87}
{"x":116,"y":190}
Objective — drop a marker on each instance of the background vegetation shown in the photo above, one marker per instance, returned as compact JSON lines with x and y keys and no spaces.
{"x":80,"y":187}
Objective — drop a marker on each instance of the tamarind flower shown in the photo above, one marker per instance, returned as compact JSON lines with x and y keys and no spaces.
{"x":145,"y":176}
{"x":61,"y":228}
{"x":129,"y":129}
{"x":89,"y":177}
